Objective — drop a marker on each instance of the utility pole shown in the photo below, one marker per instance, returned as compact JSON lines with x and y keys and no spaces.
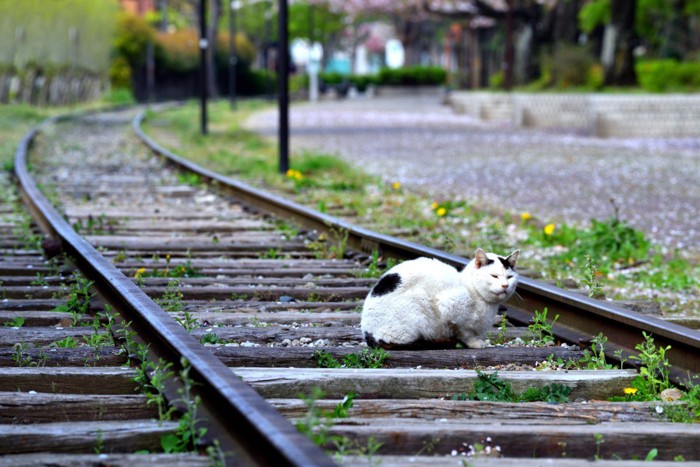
{"x":283,"y":87}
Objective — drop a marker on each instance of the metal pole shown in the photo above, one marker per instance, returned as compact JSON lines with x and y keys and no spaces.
{"x":150,"y":71}
{"x":283,"y":87}
{"x":232,"y":52}
{"x":203,"y":45}
{"x":266,"y":50}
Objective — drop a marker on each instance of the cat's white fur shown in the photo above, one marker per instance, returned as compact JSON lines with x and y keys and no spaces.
{"x":431,"y":301}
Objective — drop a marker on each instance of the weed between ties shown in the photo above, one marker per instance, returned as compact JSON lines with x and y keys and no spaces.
{"x":366,"y":358}
{"x":316,"y":424}
{"x":489,"y":387}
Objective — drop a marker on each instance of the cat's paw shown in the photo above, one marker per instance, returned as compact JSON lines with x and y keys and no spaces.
{"x":475,"y":343}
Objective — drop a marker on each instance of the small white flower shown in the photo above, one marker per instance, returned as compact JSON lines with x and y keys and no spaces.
{"x":454,"y":452}
{"x":659,"y":409}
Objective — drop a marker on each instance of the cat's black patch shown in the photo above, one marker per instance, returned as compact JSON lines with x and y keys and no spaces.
{"x":419,"y":344}
{"x":371,"y":341}
{"x":386,"y":284}
{"x":505,"y":263}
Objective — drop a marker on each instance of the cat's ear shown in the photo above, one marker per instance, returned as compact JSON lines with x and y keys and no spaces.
{"x":512,"y":258}
{"x":480,"y":258}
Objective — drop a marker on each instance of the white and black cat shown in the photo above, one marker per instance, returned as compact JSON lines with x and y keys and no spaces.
{"x":426,"y":303}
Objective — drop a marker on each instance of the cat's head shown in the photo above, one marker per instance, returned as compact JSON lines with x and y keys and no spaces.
{"x":494,"y":276}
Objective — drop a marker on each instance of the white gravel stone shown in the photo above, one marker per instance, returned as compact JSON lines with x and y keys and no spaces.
{"x":556,"y":175}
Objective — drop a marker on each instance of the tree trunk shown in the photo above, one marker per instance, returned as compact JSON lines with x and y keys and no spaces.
{"x":618,"y":45}
{"x":524,"y":55}
{"x":566,"y":22}
{"x":674,"y":32}
{"x":509,"y":52}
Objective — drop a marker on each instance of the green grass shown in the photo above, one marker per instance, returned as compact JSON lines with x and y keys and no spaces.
{"x":230,"y":149}
{"x":607,"y":255}
{"x":15,"y":121}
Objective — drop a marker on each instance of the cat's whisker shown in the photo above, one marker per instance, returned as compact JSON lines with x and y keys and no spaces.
{"x":521,"y":299}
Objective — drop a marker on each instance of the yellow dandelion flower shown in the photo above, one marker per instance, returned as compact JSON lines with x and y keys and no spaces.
{"x":630,"y":391}
{"x":549,"y":229}
{"x":526,"y":216}
{"x":295,"y":174}
{"x":139,"y":272}
{"x":441,"y":212}
{"x":396,"y":185}
{"x":434,"y":205}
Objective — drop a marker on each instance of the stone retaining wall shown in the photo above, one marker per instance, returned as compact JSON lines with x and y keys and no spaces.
{"x":38,"y":89}
{"x":403,"y":91}
{"x":633,"y":115}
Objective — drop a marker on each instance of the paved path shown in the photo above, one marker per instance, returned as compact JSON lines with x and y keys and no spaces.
{"x":554,"y":176}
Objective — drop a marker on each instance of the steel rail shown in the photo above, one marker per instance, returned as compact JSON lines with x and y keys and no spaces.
{"x":242,"y":421}
{"x":580,"y":318}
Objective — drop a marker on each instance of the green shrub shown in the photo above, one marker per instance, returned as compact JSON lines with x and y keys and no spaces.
{"x":177,"y":51}
{"x":120,"y":73}
{"x":668,"y":75}
{"x":362,"y":82}
{"x":256,"y":82}
{"x":177,"y":55}
{"x":133,"y":35}
{"x":118,"y":96}
{"x":245,"y":50}
{"x":496,"y":80}
{"x":298,"y":82}
{"x":611,"y":241}
{"x":412,"y":76}
{"x":332,"y":77}
{"x":574,"y":66}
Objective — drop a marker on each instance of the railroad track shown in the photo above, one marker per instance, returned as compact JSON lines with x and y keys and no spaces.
{"x":171,"y":266}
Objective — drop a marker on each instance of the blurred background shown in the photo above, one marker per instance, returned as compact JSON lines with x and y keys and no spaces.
{"x":58,"y":52}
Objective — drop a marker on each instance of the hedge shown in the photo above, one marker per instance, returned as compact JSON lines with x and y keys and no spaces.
{"x":668,"y":75}
{"x":412,"y":76}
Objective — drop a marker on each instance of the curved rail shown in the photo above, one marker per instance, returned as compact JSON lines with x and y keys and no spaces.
{"x":244,"y":423}
{"x":580,"y":317}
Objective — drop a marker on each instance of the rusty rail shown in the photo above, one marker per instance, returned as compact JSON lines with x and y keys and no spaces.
{"x":242,"y":421}
{"x":580,"y":318}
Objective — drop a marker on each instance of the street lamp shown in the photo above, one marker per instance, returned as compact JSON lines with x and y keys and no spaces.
{"x":203,"y":45}
{"x":314,"y":67}
{"x":283,"y":86}
{"x":282,"y":76}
